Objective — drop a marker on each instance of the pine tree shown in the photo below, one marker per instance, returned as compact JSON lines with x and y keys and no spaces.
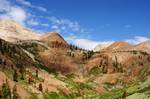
{"x":8,"y":89}
{"x":1,"y":94}
{"x":22,"y":72}
{"x":30,"y":80}
{"x":6,"y":92}
{"x":124,"y":95}
{"x":37,"y":73}
{"x":22,"y":76}
{"x":15,"y":94}
{"x":1,"y":61}
{"x":40,"y":87}
{"x":4,"y":62}
{"x":15,"y":76}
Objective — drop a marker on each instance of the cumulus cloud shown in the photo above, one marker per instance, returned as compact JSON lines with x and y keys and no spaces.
{"x":13,"y":12}
{"x":137,"y":40}
{"x":86,"y":43}
{"x":17,"y":14}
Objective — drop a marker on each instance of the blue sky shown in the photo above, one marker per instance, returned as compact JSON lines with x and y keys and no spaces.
{"x":85,"y":23}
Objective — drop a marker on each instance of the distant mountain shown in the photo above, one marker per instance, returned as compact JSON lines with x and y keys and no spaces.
{"x":144,"y":46}
{"x":124,"y":46}
{"x":12,"y":31}
{"x":118,"y":45}
{"x":100,"y":47}
{"x":112,"y":46}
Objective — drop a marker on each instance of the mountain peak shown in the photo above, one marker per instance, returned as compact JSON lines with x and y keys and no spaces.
{"x":53,"y":36}
{"x":145,"y":42}
{"x":118,"y":45}
{"x":101,"y":47}
{"x":12,"y":31}
{"x":144,"y":46}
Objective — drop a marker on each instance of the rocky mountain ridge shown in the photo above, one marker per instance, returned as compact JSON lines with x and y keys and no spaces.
{"x":45,"y":67}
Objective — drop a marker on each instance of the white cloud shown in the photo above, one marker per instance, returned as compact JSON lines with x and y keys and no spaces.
{"x":54,"y":27}
{"x":12,"y":12}
{"x":17,"y":14}
{"x":137,"y":40}
{"x":29,"y":4}
{"x":66,"y":25}
{"x":45,"y":24}
{"x":33,"y":22}
{"x":36,"y":22}
{"x":4,"y":5}
{"x":9,"y":10}
{"x":41,"y":8}
{"x":24,"y":2}
{"x":86,"y":43}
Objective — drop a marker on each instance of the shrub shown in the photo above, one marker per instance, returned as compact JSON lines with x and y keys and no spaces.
{"x":95,"y":71}
{"x":6,"y":92}
{"x":40,"y":87}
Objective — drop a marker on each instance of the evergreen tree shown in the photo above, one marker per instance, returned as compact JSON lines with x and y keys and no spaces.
{"x":15,"y":94}
{"x":1,"y":94}
{"x":15,"y":76}
{"x":22,"y":72}
{"x":116,"y":63}
{"x":1,"y":61}
{"x":8,"y":89}
{"x":4,"y":62}
{"x":40,"y":87}
{"x":2,"y":49}
{"x":22,"y":76}
{"x":6,"y":92}
{"x":37,"y":73}
{"x":29,"y":80}
{"x":124,"y":95}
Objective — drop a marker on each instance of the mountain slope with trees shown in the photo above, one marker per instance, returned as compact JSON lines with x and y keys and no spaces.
{"x":49,"y":67}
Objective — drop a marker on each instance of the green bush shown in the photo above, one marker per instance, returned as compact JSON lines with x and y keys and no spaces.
{"x":33,"y":96}
{"x":54,"y":95}
{"x":50,"y":71}
{"x":95,"y":71}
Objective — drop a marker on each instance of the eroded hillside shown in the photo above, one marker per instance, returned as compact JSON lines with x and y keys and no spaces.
{"x":50,"y":68}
